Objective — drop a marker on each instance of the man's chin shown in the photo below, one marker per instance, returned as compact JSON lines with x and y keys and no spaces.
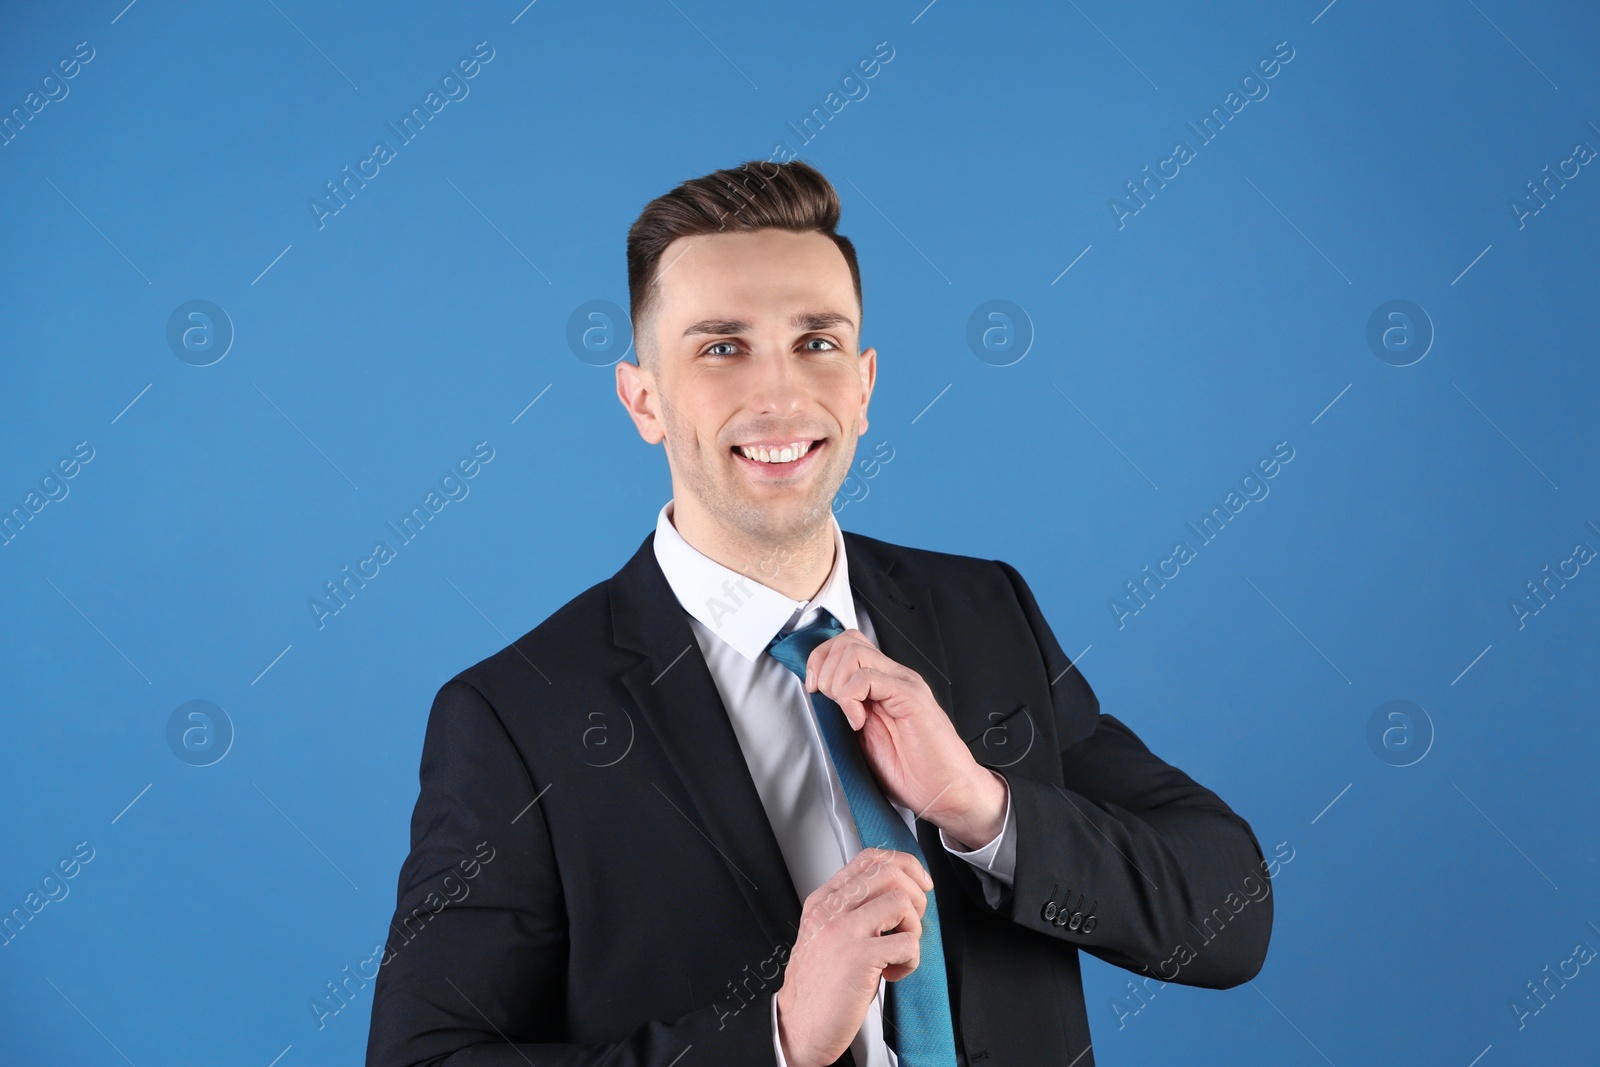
{"x":785,"y":516}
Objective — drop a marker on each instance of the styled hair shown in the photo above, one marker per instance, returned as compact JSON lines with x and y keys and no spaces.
{"x":757,"y":194}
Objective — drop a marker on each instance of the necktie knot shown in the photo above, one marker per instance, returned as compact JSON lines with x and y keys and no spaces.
{"x":793,"y":649}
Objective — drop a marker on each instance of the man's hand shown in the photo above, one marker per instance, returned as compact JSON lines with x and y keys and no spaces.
{"x":909,"y":742}
{"x":862,"y":924}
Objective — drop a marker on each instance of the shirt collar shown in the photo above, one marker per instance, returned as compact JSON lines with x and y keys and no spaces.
{"x":741,"y":610}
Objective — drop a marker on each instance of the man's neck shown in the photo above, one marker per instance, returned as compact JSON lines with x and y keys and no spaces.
{"x":797,"y":569}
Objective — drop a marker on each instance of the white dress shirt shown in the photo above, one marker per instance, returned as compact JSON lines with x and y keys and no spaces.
{"x":734,"y":618}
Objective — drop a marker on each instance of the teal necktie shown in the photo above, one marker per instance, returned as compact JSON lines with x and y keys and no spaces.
{"x":918,"y":1009}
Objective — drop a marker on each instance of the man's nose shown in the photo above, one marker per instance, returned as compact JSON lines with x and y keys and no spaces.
{"x":777,"y":384}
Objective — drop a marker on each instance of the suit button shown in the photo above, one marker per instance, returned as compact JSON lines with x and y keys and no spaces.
{"x":1061,"y":917}
{"x":1088,"y":924}
{"x":1075,"y":921}
{"x":1049,"y":911}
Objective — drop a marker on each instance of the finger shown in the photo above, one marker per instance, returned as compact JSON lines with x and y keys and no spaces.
{"x":904,"y":873}
{"x":854,"y":878}
{"x":855,"y":685}
{"x":913,"y":867}
{"x":892,"y":877}
{"x":893,"y":912}
{"x":817,"y":663}
{"x":840,"y":654}
{"x":855,"y":712}
{"x":895,"y":954}
{"x":866,"y":876}
{"x":871,"y":865}
{"x":901,"y":955}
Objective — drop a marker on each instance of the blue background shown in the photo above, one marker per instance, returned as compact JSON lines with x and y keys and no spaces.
{"x":1227,"y":315}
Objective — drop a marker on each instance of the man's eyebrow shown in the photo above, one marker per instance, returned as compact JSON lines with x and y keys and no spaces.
{"x":805,"y":320}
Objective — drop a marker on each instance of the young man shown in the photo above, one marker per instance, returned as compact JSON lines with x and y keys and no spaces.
{"x":775,"y":793}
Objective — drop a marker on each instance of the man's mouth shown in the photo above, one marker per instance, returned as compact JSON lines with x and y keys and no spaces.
{"x":778,"y":457}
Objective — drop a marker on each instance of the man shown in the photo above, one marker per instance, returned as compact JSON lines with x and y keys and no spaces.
{"x":775,"y":793}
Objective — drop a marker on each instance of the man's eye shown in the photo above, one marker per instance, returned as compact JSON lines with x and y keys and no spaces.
{"x":823,"y":340}
{"x":712,"y":351}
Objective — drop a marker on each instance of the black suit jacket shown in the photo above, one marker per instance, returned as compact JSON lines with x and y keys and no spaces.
{"x":592,"y":877}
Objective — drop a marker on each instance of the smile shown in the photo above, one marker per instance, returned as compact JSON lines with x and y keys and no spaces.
{"x":778,"y":458}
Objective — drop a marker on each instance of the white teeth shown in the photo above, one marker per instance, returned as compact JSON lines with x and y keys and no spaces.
{"x":762,"y":454}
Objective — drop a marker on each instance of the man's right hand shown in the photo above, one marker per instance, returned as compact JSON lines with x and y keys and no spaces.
{"x":862,"y":924}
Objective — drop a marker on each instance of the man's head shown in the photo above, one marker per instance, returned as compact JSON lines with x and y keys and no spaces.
{"x":746,"y":307}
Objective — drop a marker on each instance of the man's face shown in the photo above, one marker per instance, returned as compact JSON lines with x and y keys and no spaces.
{"x":755,"y":341}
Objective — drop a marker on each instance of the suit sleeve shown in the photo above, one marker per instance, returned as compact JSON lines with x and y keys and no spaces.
{"x":1175,"y":880}
{"x":475,"y":960}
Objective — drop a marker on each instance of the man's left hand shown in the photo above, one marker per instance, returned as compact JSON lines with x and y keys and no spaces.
{"x":907,"y":739}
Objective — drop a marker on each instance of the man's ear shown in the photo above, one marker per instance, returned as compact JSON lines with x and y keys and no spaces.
{"x":636,"y":388}
{"x":869,"y":378}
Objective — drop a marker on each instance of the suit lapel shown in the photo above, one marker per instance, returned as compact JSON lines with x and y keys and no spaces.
{"x":679,"y":701}
{"x":902,"y":616}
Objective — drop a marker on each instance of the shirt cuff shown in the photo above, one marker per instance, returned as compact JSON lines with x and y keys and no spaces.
{"x":777,"y":1043}
{"x":996,"y":862}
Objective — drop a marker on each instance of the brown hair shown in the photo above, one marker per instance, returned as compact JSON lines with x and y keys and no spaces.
{"x":757,"y":194}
